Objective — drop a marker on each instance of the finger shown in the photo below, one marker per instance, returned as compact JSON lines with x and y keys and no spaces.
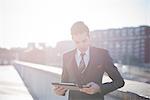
{"x":90,"y":84}
{"x":58,"y":88}
{"x":60,"y":91}
{"x":61,"y":88}
{"x":84,"y":90}
{"x":88,"y":92}
{"x":85,"y":86}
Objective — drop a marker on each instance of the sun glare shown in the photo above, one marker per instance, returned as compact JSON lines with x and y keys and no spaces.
{"x":49,"y":21}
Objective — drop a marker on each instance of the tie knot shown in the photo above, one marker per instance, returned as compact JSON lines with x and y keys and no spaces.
{"x":82,"y":54}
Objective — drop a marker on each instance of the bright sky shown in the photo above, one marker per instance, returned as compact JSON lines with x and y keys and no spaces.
{"x":49,"y":21}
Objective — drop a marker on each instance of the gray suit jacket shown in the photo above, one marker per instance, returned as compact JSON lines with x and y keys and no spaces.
{"x":100,"y":62}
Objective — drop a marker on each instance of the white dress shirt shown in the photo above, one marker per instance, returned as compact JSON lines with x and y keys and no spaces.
{"x":86,"y":57}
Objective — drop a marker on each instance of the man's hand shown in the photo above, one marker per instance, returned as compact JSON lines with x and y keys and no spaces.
{"x":93,"y":88}
{"x":59,"y":90}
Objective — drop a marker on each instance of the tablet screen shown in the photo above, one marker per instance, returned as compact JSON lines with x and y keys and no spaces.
{"x":69,"y":86}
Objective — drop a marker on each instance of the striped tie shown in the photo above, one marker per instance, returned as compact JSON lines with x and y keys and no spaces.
{"x":82,"y":63}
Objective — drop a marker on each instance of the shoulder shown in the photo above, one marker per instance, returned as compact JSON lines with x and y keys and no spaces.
{"x":99,"y":50}
{"x":69,"y":53}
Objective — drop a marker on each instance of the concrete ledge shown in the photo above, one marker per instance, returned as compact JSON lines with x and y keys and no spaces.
{"x":38,"y":79}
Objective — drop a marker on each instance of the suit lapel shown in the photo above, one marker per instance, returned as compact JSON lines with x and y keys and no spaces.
{"x":91,"y":59}
{"x":74,"y":63}
{"x":78,"y":76}
{"x":75,"y":72}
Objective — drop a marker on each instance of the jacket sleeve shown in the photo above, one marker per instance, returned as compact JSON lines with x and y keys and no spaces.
{"x":113,"y":73}
{"x":64,"y":76}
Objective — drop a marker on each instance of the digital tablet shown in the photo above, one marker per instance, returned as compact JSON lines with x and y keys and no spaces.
{"x":69,"y":86}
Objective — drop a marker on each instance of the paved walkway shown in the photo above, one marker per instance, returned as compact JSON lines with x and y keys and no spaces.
{"x":11,"y":85}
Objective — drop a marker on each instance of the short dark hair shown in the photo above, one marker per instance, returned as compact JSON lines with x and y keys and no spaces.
{"x":79,"y":28}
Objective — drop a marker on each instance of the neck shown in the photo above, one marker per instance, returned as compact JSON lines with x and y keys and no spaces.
{"x":84,"y":51}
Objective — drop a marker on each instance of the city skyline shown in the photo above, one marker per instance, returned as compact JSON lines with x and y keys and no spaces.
{"x":49,"y":22}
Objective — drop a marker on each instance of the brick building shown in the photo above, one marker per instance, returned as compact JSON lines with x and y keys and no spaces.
{"x":129,"y":44}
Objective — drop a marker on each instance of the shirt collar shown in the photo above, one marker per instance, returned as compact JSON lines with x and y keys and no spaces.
{"x":86,"y":53}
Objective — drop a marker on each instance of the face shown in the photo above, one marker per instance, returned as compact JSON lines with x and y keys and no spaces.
{"x":82,"y":41}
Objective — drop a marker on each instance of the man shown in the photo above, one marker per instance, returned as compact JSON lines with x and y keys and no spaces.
{"x":85,"y":66}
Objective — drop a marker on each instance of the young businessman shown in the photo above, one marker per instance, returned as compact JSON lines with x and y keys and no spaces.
{"x":85,"y":66}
